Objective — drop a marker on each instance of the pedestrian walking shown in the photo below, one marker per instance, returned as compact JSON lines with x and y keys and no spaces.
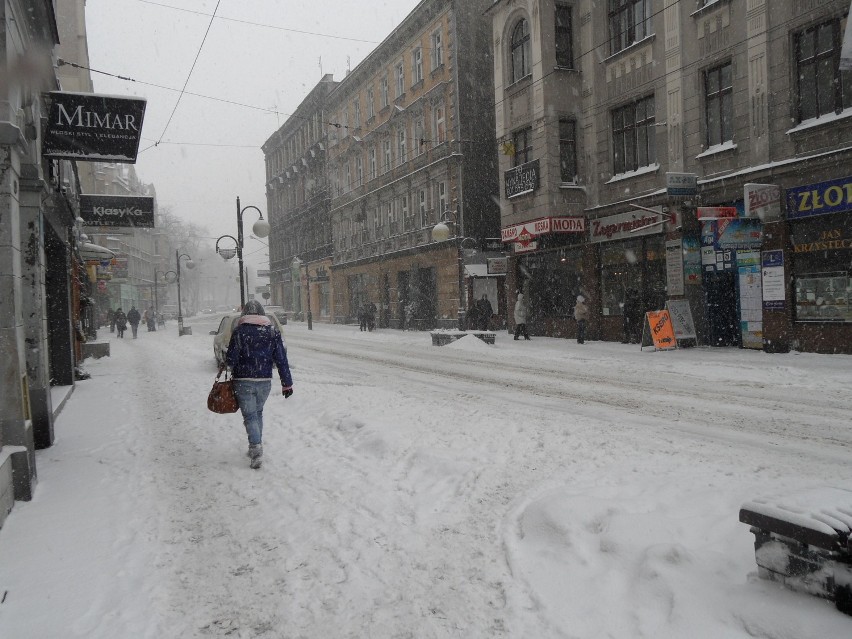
{"x":362,"y":317}
{"x":631,"y":316}
{"x":111,"y":320}
{"x":581,"y":314}
{"x":151,"y":320}
{"x":371,"y":316}
{"x":255,"y":346}
{"x":120,"y":320}
{"x":521,"y":318}
{"x":484,"y":311}
{"x":133,"y":317}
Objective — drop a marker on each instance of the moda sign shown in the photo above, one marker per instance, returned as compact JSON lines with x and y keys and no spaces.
{"x":84,"y":126}
{"x":543,"y":226}
{"x":117,"y":210}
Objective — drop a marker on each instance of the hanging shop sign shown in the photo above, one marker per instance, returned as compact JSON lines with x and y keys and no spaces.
{"x":674,"y":267}
{"x":497,"y":265}
{"x":834,"y":196}
{"x":625,"y":225}
{"x":681,"y":184}
{"x":135,"y":211}
{"x":522,"y":179}
{"x":85,"y":126}
{"x":262,"y":272}
{"x":762,"y":201}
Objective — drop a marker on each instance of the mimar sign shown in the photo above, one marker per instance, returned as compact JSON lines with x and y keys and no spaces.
{"x":117,"y":210}
{"x":83,"y":126}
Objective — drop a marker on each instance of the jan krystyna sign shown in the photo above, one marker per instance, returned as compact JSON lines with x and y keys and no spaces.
{"x":117,"y":210}
{"x":84,"y":126}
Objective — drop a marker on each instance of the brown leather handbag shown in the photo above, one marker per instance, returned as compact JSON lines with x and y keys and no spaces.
{"x":222,"y":398}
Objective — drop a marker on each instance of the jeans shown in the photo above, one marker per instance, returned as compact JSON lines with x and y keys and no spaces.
{"x":251,"y":397}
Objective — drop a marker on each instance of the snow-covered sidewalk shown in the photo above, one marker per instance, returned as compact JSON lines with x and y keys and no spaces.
{"x":526,"y":489}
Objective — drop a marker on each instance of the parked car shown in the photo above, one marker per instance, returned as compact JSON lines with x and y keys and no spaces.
{"x":222,"y":335}
{"x":278,"y":312}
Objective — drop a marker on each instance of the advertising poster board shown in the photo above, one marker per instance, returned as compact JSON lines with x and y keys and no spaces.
{"x":774,"y":291}
{"x":674,"y":267}
{"x":682,"y":322}
{"x":751,"y":310}
{"x":658,"y":332}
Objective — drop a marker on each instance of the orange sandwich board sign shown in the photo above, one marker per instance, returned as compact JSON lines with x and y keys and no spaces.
{"x":658,"y":331}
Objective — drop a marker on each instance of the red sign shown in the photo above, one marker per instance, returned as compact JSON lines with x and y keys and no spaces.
{"x":101,"y":286}
{"x":717,"y":212}
{"x":523,"y":233}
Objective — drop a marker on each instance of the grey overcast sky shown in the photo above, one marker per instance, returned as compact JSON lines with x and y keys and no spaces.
{"x":209,"y":153}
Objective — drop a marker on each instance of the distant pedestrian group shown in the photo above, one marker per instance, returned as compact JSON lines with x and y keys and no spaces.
{"x":367,"y":316}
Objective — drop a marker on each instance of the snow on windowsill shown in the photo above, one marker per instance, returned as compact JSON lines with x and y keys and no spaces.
{"x":651,"y":168}
{"x":821,"y":121}
{"x":717,"y":148}
{"x":572,"y":185}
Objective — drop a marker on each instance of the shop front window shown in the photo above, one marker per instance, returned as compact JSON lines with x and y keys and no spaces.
{"x":555,"y":280}
{"x":635,"y":264}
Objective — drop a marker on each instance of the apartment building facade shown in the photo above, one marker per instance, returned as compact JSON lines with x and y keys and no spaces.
{"x":676,"y":151}
{"x":298,"y":200}
{"x":411,"y":144}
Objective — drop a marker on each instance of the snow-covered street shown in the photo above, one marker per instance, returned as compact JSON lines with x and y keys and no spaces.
{"x":535,"y":489}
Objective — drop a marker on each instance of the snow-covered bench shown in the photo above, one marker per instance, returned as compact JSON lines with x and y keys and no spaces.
{"x":805,"y":542}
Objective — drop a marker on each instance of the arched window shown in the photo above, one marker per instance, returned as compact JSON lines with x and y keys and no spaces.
{"x":520,"y":50}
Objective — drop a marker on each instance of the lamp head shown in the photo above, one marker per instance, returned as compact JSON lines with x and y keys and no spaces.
{"x":190,"y":264}
{"x":440,"y":232}
{"x":261,"y":228}
{"x":227,"y":253}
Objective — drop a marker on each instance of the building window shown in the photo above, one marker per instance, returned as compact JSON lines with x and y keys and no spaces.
{"x":629,"y":22}
{"x":439,"y":132}
{"x":401,"y":151}
{"x":437,"y":54}
{"x":441,"y":196}
{"x":564,"y":42}
{"x":371,"y":107}
{"x":373,"y":164}
{"x":520,"y":50}
{"x":386,"y":163}
{"x":359,"y":171}
{"x":633,"y":136}
{"x":719,"y":96}
{"x":377,"y":221}
{"x":400,"y":79}
{"x":821,"y":85}
{"x":423,"y":208}
{"x":356,"y":114}
{"x":567,"y":150}
{"x":407,"y":214}
{"x":416,"y":66}
{"x":419,"y":135}
{"x":522,"y":144}
{"x":383,"y":90}
{"x":348,"y":176}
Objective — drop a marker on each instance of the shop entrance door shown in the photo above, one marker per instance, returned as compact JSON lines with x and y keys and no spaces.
{"x":720,"y":290}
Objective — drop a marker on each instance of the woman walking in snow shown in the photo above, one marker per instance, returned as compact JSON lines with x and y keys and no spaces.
{"x":254,"y":347}
{"x":120,"y":322}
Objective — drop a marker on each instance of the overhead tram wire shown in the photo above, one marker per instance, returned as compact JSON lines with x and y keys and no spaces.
{"x":189,"y":75}
{"x":258,"y":24}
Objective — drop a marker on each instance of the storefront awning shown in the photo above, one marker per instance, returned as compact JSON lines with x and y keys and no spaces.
{"x":90,"y":251}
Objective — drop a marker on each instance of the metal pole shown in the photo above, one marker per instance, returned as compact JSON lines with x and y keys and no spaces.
{"x":462,"y":293}
{"x":308,"y":285}
{"x":156,"y":302}
{"x":180,"y":313}
{"x":240,"y":253}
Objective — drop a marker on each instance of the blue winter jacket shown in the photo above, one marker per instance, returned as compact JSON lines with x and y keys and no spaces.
{"x":255,"y":345}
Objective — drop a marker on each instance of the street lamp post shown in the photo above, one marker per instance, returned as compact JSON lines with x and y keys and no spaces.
{"x":260,"y":228}
{"x":298,"y":264}
{"x":441,"y":233}
{"x":156,"y":298}
{"x":190,"y":265}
